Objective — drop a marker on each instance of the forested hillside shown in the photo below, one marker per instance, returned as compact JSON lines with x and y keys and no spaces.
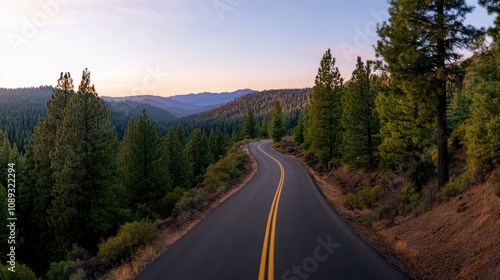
{"x":20,"y":109}
{"x":77,"y":184}
{"x":230,"y":117}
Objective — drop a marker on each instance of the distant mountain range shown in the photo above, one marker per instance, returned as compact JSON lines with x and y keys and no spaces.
{"x":183,"y":105}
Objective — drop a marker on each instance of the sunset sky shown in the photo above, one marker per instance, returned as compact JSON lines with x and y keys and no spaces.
{"x":168,"y":47}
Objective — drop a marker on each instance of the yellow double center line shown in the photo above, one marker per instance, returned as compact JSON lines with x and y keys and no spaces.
{"x":271,"y":227}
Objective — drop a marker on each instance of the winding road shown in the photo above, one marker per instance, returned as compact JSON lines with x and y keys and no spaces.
{"x":278,"y":226}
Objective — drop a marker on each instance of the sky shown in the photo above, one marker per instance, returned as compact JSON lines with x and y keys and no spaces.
{"x":170,"y":47}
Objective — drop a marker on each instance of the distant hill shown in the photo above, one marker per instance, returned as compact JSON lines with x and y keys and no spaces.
{"x":20,"y":109}
{"x":210,"y":98}
{"x":183,"y":105}
{"x":230,"y":116}
{"x":122,"y":111}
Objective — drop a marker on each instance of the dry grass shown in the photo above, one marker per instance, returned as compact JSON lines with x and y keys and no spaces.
{"x":175,"y":229}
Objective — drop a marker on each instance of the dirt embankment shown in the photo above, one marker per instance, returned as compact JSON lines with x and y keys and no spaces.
{"x":459,"y":239}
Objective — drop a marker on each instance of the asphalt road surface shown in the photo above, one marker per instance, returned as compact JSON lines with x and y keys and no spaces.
{"x":278,"y":226}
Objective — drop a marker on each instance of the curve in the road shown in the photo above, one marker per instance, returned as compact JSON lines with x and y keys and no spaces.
{"x":246,"y":237}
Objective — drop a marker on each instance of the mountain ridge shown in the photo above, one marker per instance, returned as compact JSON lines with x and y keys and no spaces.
{"x":184,"y":105}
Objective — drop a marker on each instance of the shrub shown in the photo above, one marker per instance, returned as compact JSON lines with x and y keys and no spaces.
{"x":22,"y":272}
{"x":59,"y":271}
{"x":220,"y":174}
{"x":192,"y":199}
{"x":129,"y":239}
{"x":167,"y":203}
{"x":350,"y":201}
{"x":458,"y":185}
{"x":368,"y":196}
{"x":408,"y":198}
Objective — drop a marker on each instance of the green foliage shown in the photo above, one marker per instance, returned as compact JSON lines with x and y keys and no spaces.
{"x":350,"y":200}
{"x":220,"y":174}
{"x":192,"y":199}
{"x":408,"y":198}
{"x":19,"y":111}
{"x":277,"y":123}
{"x":125,"y":244}
{"x":142,"y":164}
{"x":177,"y":159}
{"x":324,"y":132}
{"x":481,"y":131}
{"x":359,"y":119}
{"x":459,"y":185}
{"x":121,"y":112}
{"x":250,"y":126}
{"x":59,"y":270}
{"x":368,"y":196}
{"x":197,"y":150}
{"x":22,"y":272}
{"x":167,"y":203}
{"x":422,"y":55}
{"x":217,"y":145}
{"x":36,"y":197}
{"x":407,"y":132}
{"x":300,"y":130}
{"x":84,"y":207}
{"x":230,"y":117}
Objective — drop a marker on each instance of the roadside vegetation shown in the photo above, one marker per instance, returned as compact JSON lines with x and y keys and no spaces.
{"x":412,"y":135}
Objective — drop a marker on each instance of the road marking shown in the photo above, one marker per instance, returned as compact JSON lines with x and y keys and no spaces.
{"x":270,"y":234}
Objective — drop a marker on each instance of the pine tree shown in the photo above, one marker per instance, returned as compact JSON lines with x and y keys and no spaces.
{"x":217,"y":145}
{"x":324,"y":116}
{"x":197,"y":150}
{"x":299,"y":132}
{"x":180,"y":134}
{"x":420,"y":43}
{"x":84,"y":163}
{"x":141,"y":164}
{"x":264,"y":129}
{"x":277,"y":123}
{"x":482,"y":137}
{"x":406,"y":131}
{"x":35,"y":195}
{"x":250,"y":126}
{"x":178,"y":163}
{"x":359,"y":119}
{"x":4,"y":156}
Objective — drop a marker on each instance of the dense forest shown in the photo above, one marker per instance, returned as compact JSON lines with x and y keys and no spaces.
{"x":20,"y":109}
{"x":421,"y":111}
{"x":85,"y":175}
{"x":92,"y":176}
{"x":229,"y":117}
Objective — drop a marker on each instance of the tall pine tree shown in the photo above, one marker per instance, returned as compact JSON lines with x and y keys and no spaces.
{"x":277,"y":123}
{"x":197,"y":150}
{"x":35,"y":195}
{"x":407,"y":133}
{"x":420,"y":44}
{"x":84,"y":206}
{"x":177,"y":160}
{"x":141,"y":163}
{"x":250,"y":126}
{"x":359,"y":119}
{"x":324,"y":132}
